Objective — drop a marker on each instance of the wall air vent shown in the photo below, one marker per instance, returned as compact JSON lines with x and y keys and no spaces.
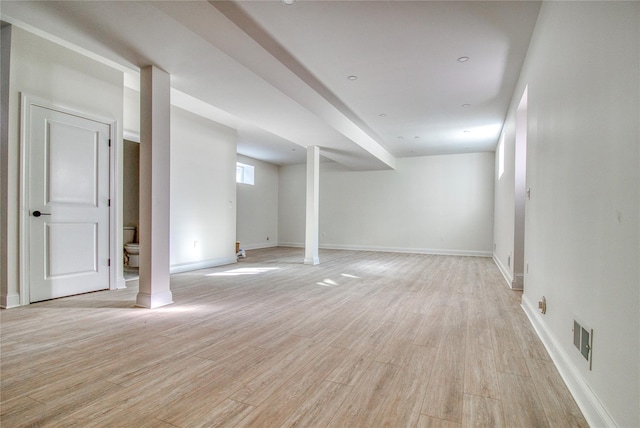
{"x":583,"y":341}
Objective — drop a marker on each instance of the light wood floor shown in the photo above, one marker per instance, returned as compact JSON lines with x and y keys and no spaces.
{"x":362,"y":340}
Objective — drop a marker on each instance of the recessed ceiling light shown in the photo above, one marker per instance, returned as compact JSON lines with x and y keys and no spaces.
{"x":288,"y":2}
{"x":466,"y":131}
{"x":466,"y":105}
{"x":382,"y":115}
{"x":352,"y":77}
{"x":463,"y":59}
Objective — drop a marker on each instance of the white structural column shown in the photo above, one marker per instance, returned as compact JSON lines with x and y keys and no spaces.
{"x":313,"y":206}
{"x":155,"y":115}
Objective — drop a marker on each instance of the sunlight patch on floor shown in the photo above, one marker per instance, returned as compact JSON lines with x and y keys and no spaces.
{"x":328,"y":283}
{"x":350,"y":276}
{"x":243,"y":271}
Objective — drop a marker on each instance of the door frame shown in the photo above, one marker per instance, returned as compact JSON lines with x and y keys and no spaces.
{"x":26,"y":102}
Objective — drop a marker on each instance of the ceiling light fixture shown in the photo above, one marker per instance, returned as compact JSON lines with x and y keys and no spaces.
{"x":463,"y":59}
{"x":352,"y":77}
{"x":382,"y":115}
{"x":466,"y":105}
{"x":288,"y":2}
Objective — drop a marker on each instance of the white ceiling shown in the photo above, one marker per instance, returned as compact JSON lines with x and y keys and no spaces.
{"x":279,"y":73}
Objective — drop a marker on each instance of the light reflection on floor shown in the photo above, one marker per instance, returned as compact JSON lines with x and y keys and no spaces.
{"x":243,"y":271}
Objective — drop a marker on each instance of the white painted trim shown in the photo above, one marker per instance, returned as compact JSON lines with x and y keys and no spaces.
{"x":23,"y":216}
{"x":26,"y":101}
{"x":13,"y":300}
{"x":115,"y":250}
{"x":592,"y":408}
{"x":131,"y":136}
{"x":503,"y":270}
{"x":133,"y":282}
{"x":432,"y":251}
{"x":121,"y":283}
{"x":518,"y":282}
{"x":436,"y":252}
{"x":146,"y":300}
{"x":291,"y":244}
{"x":204,"y":264}
{"x":257,"y":246}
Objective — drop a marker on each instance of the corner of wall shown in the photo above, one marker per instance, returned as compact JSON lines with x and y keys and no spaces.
{"x":506,"y":273}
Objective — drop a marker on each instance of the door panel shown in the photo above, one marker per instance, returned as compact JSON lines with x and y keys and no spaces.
{"x":73,"y":165}
{"x":81,"y":254}
{"x":69,"y":185}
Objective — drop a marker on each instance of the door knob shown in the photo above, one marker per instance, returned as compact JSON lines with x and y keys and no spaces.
{"x":38,"y":214}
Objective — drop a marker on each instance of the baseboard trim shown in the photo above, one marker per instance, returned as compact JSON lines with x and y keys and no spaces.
{"x":591,"y":407}
{"x":437,"y":252}
{"x":290,"y":245}
{"x":311,"y":261}
{"x":148,"y":301}
{"x":257,"y":246}
{"x":8,"y":301}
{"x":204,"y":264}
{"x":518,"y":282}
{"x":121,"y":283}
{"x":133,"y":282}
{"x":504,"y":271}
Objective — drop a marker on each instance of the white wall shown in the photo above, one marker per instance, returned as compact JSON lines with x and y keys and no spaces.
{"x":504,"y":209}
{"x":291,"y":204}
{"x":433,"y":204}
{"x":582,"y":240}
{"x":131,"y":183}
{"x":509,"y":202}
{"x":131,"y":119}
{"x":257,"y":211}
{"x":5,"y":259}
{"x":51,"y":72}
{"x":203,"y":192}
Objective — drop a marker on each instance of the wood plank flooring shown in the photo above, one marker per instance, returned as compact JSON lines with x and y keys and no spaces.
{"x":362,"y":340}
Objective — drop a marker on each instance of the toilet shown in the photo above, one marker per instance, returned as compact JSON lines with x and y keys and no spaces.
{"x":131,"y":248}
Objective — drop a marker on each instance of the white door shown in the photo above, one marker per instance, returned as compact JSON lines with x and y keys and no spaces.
{"x":68,"y":203}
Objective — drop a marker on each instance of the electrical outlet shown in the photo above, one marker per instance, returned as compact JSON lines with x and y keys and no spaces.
{"x":267,"y":238}
{"x":542,"y":305}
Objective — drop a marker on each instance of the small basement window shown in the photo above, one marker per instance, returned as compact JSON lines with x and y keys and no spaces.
{"x":244,"y":173}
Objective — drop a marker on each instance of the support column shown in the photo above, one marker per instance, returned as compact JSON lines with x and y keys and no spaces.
{"x":155,"y":115}
{"x":313,"y":206}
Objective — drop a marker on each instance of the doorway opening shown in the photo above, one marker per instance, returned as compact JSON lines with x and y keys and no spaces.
{"x":130,"y":206}
{"x":520,"y":189}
